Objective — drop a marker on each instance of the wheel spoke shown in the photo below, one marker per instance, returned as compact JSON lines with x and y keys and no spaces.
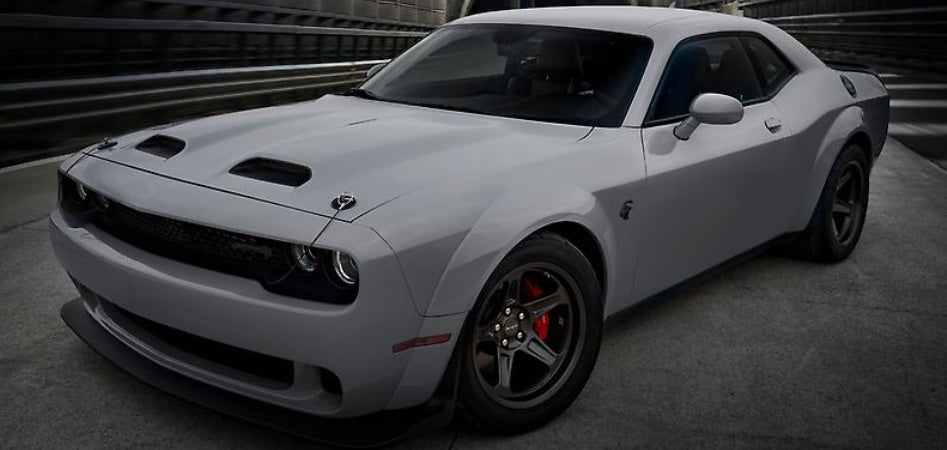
{"x":504,"y":369}
{"x":545,"y":304}
{"x":513,"y":289}
{"x":843,"y":180}
{"x":842,"y":207}
{"x":540,"y":351}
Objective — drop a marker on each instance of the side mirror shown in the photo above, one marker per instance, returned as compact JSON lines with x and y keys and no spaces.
{"x":371,"y":72}
{"x":713,"y":109}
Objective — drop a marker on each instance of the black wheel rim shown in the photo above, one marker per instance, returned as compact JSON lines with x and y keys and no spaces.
{"x":848,"y":203}
{"x":527,"y":335}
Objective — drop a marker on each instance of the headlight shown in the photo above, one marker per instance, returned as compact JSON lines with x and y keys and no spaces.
{"x":81,"y":191}
{"x":345,"y":268}
{"x":304,"y":257}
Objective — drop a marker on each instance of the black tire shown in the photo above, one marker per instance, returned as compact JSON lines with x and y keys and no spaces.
{"x":828,"y":237}
{"x":544,"y":259}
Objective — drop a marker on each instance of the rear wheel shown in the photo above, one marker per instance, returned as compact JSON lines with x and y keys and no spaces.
{"x":837,"y":223}
{"x":533,"y":338}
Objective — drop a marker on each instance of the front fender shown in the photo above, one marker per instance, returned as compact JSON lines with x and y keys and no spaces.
{"x":453,"y":266}
{"x":515,"y":215}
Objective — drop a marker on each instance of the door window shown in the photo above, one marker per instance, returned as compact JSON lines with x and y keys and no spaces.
{"x":774,"y":70}
{"x":719,"y":65}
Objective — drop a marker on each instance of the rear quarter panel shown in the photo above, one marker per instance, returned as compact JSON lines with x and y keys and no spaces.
{"x":825,"y":117}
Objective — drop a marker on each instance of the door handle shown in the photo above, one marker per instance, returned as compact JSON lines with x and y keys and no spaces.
{"x":773,"y":124}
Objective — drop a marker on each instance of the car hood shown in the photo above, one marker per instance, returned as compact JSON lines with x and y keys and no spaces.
{"x":375,"y":150}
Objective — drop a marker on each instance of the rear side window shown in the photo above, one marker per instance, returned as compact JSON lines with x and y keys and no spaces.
{"x":773,"y":68}
{"x":718,"y":64}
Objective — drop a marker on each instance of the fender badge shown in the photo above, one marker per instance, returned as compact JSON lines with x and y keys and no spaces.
{"x":626,"y":209}
{"x":106,"y":143}
{"x":344,"y":201}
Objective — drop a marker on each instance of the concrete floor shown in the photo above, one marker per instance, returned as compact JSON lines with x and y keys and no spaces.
{"x":776,"y":353}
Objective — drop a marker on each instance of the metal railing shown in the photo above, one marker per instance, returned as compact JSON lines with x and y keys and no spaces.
{"x":71,"y":47}
{"x":221,"y":10}
{"x":901,"y":34}
{"x":912,"y":39}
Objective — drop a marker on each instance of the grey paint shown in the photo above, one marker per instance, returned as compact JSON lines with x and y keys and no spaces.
{"x":444,"y":196}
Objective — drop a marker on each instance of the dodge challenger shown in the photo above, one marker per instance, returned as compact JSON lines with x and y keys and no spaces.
{"x":457,"y":229}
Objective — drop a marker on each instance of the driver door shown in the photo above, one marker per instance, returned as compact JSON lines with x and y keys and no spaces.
{"x":726,"y":189}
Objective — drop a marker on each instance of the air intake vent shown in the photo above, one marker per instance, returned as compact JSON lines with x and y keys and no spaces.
{"x":273,"y":171}
{"x":161,"y":145}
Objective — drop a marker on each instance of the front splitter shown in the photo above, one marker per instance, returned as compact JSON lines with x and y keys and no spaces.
{"x":377,"y":429}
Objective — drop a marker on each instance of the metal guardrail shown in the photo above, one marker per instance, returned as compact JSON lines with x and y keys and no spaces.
{"x":46,"y":47}
{"x":906,"y":35}
{"x":326,"y":18}
{"x":909,"y":38}
{"x":36,"y":118}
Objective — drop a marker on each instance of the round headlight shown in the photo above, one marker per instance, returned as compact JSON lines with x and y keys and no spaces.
{"x":81,"y":191}
{"x":345,"y":267}
{"x":305,"y":259}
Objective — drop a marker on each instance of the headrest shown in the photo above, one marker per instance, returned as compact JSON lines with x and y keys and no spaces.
{"x":559,"y":59}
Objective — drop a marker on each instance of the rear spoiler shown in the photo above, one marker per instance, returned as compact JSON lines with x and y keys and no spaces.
{"x":844,"y":66}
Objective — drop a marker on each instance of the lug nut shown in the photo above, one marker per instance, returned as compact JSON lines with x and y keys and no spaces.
{"x":508,"y":311}
{"x":505,"y":342}
{"x":497,"y":327}
{"x":520,"y":335}
{"x":521,"y":316}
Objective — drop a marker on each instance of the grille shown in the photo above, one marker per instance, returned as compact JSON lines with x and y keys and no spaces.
{"x":212,"y":248}
{"x":276,"y":370}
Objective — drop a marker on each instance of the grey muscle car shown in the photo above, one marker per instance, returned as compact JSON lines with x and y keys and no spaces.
{"x":460,"y":226}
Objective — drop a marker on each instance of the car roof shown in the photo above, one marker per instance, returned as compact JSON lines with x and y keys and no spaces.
{"x":640,"y":20}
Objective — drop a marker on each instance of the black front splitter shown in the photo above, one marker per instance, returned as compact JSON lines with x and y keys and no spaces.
{"x":374,"y":430}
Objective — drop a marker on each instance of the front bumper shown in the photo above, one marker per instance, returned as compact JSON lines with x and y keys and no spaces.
{"x":352,"y":342}
{"x":368,"y":431}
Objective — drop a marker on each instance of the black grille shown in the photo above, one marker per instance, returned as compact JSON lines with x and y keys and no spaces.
{"x":277,"y":370}
{"x":212,"y":248}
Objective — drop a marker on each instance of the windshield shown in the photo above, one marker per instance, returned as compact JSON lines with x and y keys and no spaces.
{"x":552,"y":74}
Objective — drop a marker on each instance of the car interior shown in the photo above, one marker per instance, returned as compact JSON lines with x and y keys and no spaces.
{"x":561,"y":76}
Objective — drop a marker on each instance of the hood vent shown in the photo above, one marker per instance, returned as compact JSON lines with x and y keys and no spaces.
{"x":273,"y":171}
{"x":161,"y":145}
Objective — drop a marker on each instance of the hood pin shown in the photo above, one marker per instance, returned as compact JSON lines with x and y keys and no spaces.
{"x":344,"y":201}
{"x":106,"y":143}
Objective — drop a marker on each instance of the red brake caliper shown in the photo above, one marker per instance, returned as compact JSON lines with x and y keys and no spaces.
{"x":541,"y":324}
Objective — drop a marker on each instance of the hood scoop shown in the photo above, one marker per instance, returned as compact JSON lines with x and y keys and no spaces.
{"x":273,"y":171}
{"x":161,"y":145}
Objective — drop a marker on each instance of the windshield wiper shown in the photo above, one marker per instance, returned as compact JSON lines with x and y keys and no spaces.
{"x":361,"y":93}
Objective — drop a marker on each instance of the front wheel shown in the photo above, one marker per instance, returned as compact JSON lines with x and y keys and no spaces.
{"x":533,"y":338}
{"x":836,"y":225}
